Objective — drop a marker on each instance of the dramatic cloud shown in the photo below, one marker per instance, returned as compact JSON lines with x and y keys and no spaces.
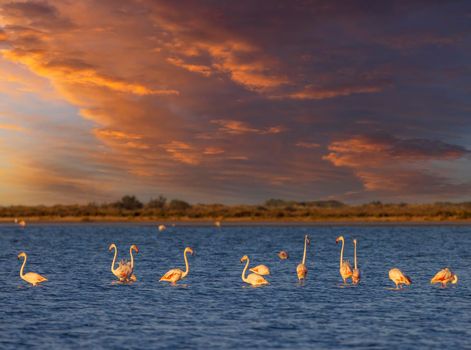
{"x":387,"y":164}
{"x":233,"y":101}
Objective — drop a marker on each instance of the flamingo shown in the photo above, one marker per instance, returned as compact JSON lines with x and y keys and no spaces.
{"x":253,"y":278}
{"x":301,"y":270}
{"x":283,"y":255}
{"x":444,"y":277}
{"x":175,"y":275}
{"x":399,"y":278}
{"x":356,"y":272}
{"x":124,"y":271}
{"x":30,"y":277}
{"x":162,"y":228}
{"x":128,"y":266}
{"x":261,"y":270}
{"x":22,"y":223}
{"x":217,"y":223}
{"x":345,"y":268}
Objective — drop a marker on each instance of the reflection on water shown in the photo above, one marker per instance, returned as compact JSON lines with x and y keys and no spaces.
{"x":82,"y":305}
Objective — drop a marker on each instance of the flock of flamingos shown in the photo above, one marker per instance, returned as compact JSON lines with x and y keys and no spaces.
{"x":125,"y":269}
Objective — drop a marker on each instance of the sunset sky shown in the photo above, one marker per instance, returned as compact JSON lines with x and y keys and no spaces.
{"x":235,"y":101}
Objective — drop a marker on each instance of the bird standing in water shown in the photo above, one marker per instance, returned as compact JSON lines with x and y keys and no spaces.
{"x":31,"y":277}
{"x":345,"y":268}
{"x":444,"y":277}
{"x":301,"y":269}
{"x":399,"y":278}
{"x":175,"y":275}
{"x":253,"y":278}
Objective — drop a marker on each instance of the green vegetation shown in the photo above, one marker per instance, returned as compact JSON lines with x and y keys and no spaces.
{"x":131,"y":208}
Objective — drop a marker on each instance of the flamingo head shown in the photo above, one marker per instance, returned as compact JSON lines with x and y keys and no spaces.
{"x":339,"y":239}
{"x":244,"y":258}
{"x":308,"y":240}
{"x":22,"y":255}
{"x":112,"y":245}
{"x":455,"y":279}
{"x":189,"y":250}
{"x":283,"y":255}
{"x":354,"y":241}
{"x":135,"y":248}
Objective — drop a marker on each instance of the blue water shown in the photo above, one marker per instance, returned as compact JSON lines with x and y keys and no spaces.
{"x":80,"y":306}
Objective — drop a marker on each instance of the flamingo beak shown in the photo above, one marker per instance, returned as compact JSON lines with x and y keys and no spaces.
{"x":337,"y":241}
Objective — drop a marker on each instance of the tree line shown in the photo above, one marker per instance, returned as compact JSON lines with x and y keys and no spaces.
{"x":131,"y":207}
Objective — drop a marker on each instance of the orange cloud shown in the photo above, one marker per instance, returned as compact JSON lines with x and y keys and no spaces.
{"x":11,"y":127}
{"x":40,"y":65}
{"x":255,"y":74}
{"x":182,"y":152}
{"x":119,"y":135}
{"x":311,"y":93}
{"x":121,"y":139}
{"x":244,"y":62}
{"x":386,"y":163}
{"x":196,"y":68}
{"x":236,"y":127}
{"x":213,"y":151}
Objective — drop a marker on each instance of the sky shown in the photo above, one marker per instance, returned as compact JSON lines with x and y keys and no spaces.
{"x":235,"y":101}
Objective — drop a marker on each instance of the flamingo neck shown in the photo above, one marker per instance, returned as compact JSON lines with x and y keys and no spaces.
{"x":187,"y":266}
{"x":355,"y":254}
{"x":341,"y":253}
{"x":304,"y":254}
{"x":132,"y":258}
{"x":114,"y":259}
{"x":23,"y":266}
{"x":245,"y":269}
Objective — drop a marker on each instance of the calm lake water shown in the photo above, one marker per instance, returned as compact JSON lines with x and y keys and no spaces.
{"x":80,"y":306}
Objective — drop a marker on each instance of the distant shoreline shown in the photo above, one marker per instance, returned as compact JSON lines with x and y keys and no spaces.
{"x":237,"y":222}
{"x":272,"y":212}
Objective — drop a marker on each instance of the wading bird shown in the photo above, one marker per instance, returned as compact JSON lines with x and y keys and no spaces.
{"x":22,"y":223}
{"x":125,"y":270}
{"x":253,"y":278}
{"x":399,"y":278}
{"x":301,"y":270}
{"x":128,"y":266}
{"x":30,"y":277}
{"x":175,"y":275}
{"x":162,"y":228}
{"x":283,"y":255}
{"x":345,"y":268}
{"x":356,"y":272}
{"x":444,"y":277}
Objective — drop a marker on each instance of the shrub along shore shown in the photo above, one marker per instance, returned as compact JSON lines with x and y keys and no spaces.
{"x":129,"y":208}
